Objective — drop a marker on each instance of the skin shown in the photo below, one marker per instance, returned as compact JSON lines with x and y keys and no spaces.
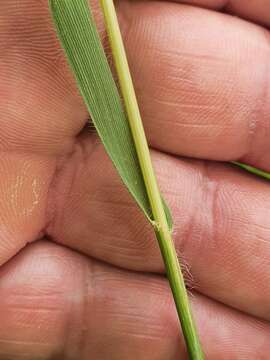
{"x":80,"y":272}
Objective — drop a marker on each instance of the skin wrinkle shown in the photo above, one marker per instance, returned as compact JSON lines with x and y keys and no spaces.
{"x":126,"y":316}
{"x":193,"y":220}
{"x":259,"y":112}
{"x":76,"y":330}
{"x":25,"y":311}
{"x":207,"y":192}
{"x":258,"y":109}
{"x":211,"y":189}
{"x":89,"y":300}
{"x":58,"y":185}
{"x":50,"y":203}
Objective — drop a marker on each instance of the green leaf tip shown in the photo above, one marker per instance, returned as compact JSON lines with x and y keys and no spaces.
{"x":79,"y":38}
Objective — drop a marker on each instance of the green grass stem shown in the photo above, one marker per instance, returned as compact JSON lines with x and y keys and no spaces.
{"x":162,"y":230}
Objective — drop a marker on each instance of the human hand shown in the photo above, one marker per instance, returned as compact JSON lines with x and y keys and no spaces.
{"x":81,"y":276}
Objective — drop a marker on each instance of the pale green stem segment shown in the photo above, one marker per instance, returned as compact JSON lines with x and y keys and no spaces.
{"x":253,"y":170}
{"x":162,"y":230}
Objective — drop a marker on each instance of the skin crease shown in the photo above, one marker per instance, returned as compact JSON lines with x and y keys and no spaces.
{"x":80,"y":272}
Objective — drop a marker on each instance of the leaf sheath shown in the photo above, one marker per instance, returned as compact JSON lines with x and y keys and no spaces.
{"x":79,"y":37}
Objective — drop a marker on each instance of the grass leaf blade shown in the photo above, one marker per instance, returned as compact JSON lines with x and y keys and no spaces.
{"x":87,"y":59}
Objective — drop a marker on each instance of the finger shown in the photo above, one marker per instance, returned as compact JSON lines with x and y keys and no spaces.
{"x":195,"y":100}
{"x":40,"y":108}
{"x":255,"y":10}
{"x":41,"y":114}
{"x":101,"y":312}
{"x":221,"y":223}
{"x":201,"y":95}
